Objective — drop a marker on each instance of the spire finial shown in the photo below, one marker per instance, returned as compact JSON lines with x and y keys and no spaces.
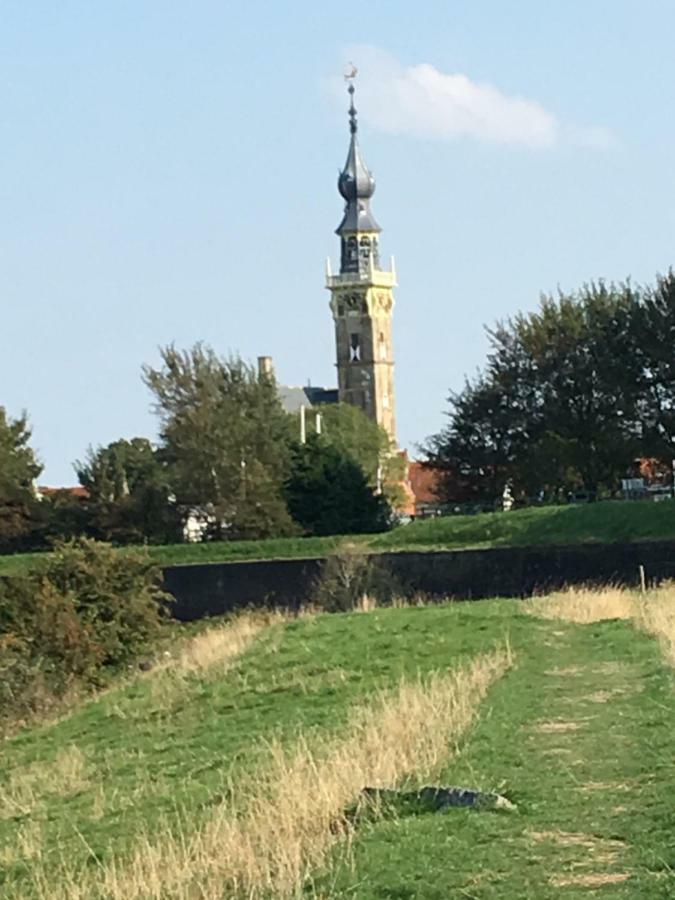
{"x":355,"y":183}
{"x":350,"y":75}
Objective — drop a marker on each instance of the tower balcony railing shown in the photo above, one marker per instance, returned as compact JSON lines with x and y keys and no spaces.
{"x":372,"y":275}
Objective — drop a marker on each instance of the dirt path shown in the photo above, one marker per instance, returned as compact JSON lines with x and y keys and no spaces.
{"x":581,"y":735}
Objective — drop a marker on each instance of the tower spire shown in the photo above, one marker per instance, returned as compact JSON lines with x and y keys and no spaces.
{"x":355,"y":183}
{"x":361,"y":293}
{"x":353,"y":126}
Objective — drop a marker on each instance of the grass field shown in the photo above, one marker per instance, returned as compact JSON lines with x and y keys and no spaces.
{"x":596,"y":522}
{"x":227,"y":770}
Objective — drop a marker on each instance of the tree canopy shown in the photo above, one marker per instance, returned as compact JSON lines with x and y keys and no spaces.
{"x":130,"y":495}
{"x":353,"y":434}
{"x":328,"y":492}
{"x":225,"y":438}
{"x":570,"y":395}
{"x":350,"y":431}
{"x":19,"y":468}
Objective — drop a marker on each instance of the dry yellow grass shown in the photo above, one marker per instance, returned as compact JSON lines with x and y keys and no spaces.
{"x":654,"y":611}
{"x":589,"y":881}
{"x":25,"y":788}
{"x":584,"y":605}
{"x":657,"y":616}
{"x":556,"y":727}
{"x":205,"y":655}
{"x":27,"y":846}
{"x":217,"y":646}
{"x":603,"y":846}
{"x":286,"y":821}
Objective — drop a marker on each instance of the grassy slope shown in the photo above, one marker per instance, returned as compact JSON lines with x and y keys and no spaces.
{"x":606,"y":522}
{"x":148,"y":758}
{"x":603,"y":522}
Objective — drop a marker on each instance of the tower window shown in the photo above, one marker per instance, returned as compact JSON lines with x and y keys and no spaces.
{"x":365,"y":248}
{"x":382,"y":347}
{"x":354,"y":348}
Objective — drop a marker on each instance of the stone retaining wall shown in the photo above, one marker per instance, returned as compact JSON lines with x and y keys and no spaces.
{"x":216,"y":588}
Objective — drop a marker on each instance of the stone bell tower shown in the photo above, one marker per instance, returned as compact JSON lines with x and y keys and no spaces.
{"x":361,"y":297}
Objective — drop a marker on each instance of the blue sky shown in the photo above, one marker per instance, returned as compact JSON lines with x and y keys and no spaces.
{"x":167,"y":173}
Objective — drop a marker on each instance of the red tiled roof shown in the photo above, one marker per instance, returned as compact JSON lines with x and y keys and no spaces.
{"x":423,"y":481}
{"x":78,"y":491}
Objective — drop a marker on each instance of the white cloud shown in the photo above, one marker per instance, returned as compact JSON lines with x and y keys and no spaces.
{"x":423,"y":102}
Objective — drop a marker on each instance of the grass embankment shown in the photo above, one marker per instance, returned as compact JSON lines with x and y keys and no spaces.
{"x":604,"y":522}
{"x":580,"y":736}
{"x":137,"y":793}
{"x":169,"y":749}
{"x":594,"y":522}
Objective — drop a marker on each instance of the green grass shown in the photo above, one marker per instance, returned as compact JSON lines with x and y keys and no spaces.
{"x":594,"y":522}
{"x":147,"y":761}
{"x":603,"y":522}
{"x":306,"y":676}
{"x":611,"y":780}
{"x":213,"y":551}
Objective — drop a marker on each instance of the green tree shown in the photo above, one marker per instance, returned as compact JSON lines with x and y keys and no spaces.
{"x":225,"y":438}
{"x":114,"y":472}
{"x":355,"y":435}
{"x":64,"y":516}
{"x":84,"y":613}
{"x":328,"y":492}
{"x":18,"y":470}
{"x":477,"y":453}
{"x":654,"y":343}
{"x":130,"y":498}
{"x":558,"y":406}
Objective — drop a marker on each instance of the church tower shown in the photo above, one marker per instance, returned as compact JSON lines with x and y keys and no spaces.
{"x":361,"y":296}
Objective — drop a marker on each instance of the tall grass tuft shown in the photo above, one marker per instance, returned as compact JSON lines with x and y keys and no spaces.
{"x":653,"y":612}
{"x":219,"y":645}
{"x":656,"y":615}
{"x":206,"y":655}
{"x":23,"y":791}
{"x":584,"y":605}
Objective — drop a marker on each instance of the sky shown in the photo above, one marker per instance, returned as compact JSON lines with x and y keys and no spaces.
{"x":168,"y":174}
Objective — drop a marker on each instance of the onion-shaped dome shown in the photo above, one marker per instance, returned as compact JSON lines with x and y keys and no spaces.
{"x":355,"y":181}
{"x":356,"y":184}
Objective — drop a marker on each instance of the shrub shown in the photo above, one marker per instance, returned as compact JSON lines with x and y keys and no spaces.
{"x":116,"y":592}
{"x":350,"y":578}
{"x":88,"y":611}
{"x":44,"y":647}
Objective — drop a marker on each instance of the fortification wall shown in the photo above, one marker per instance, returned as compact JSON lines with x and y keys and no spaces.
{"x":217,"y":588}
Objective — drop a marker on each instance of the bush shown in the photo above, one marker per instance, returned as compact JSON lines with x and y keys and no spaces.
{"x":90,"y":610}
{"x":350,"y":579}
{"x":116,"y":592}
{"x":44,"y":647}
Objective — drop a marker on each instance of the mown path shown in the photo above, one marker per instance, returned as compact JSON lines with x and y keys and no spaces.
{"x":580,"y":734}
